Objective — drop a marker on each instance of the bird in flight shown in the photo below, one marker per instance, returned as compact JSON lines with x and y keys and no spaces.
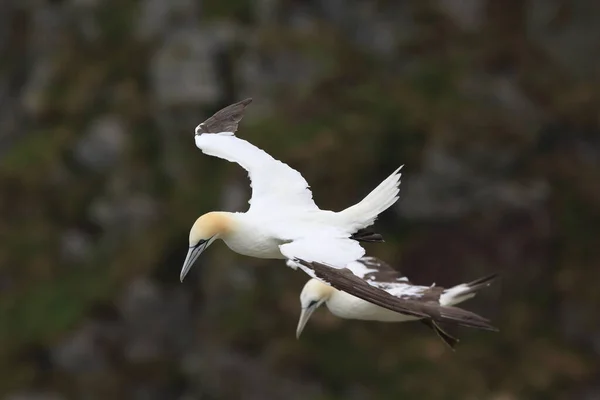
{"x":382,"y":275}
{"x":283,"y":222}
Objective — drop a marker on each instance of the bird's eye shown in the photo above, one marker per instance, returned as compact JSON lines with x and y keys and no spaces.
{"x":312,"y":303}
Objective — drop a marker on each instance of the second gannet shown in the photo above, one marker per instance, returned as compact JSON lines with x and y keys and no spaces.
{"x":380,"y":274}
{"x":283,"y":222}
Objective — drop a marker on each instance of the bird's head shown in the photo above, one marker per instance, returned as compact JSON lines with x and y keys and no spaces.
{"x":312,"y":296}
{"x":206,"y":229}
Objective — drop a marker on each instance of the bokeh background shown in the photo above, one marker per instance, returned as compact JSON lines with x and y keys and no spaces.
{"x":493,"y":107}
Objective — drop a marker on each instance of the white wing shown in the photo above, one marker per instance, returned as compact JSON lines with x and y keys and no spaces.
{"x":275,"y":185}
{"x":337,"y":252}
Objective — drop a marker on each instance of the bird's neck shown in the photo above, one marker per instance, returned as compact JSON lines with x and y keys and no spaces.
{"x":325,"y":291}
{"x":224,"y":223}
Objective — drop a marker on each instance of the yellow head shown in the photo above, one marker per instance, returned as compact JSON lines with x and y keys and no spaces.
{"x":312,"y":296}
{"x":206,"y":229}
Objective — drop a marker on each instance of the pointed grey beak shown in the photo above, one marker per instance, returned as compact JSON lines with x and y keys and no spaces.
{"x":192,"y":255}
{"x":304,"y":317}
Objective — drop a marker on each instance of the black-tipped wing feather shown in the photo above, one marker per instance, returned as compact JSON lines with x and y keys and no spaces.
{"x":224,"y":120}
{"x":450,"y":340}
{"x":367,"y":236}
{"x":343,"y":279}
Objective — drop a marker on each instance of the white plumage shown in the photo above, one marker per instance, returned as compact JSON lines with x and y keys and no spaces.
{"x":382,"y":276}
{"x":283,"y":222}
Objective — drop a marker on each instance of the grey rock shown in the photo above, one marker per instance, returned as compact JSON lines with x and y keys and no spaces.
{"x":503,"y":95}
{"x":126,"y":214}
{"x":139,"y":211}
{"x":157,"y":17}
{"x":76,"y":246}
{"x":448,"y":188}
{"x":300,"y":20}
{"x":103,"y":144}
{"x":157,"y":320}
{"x":265,"y":11}
{"x":573,"y":44}
{"x":40,"y":78}
{"x":79,"y":352}
{"x":255,"y":82}
{"x":183,"y":70}
{"x":11,"y":123}
{"x":335,"y":10}
{"x":7,"y":14}
{"x":231,"y":375}
{"x":521,"y":112}
{"x":261,"y":72}
{"x":467,"y":14}
{"x":376,"y":31}
{"x":48,"y":25}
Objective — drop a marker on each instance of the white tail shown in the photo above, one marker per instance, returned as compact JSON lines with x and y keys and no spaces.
{"x":381,"y":198}
{"x":465,"y":291}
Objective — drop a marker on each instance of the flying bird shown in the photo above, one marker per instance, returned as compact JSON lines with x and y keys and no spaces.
{"x":283,"y":221}
{"x":381,"y":275}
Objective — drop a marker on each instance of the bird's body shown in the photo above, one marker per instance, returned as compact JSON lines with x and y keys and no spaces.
{"x":252,"y":237}
{"x":260,"y":235}
{"x":283,"y":222}
{"x":282,"y":211}
{"x":345,"y":305}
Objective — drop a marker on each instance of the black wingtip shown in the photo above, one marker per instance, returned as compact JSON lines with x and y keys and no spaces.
{"x":448,"y":339}
{"x":367,"y":237}
{"x":225,"y":120}
{"x":481,"y":283}
{"x":486,"y":280}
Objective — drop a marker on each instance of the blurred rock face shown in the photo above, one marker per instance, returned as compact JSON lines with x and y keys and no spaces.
{"x":491,"y":106}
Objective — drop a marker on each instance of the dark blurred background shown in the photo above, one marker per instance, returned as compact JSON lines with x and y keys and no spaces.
{"x":493,"y":107}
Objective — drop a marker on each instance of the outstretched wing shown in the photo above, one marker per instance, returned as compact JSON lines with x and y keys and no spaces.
{"x":275,"y":185}
{"x":335,"y":261}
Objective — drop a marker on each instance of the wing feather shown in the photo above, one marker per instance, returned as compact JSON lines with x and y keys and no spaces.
{"x":274,"y":183}
{"x":225,"y":120}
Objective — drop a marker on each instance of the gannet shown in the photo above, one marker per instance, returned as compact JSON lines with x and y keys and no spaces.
{"x":283,"y":222}
{"x":380,"y":274}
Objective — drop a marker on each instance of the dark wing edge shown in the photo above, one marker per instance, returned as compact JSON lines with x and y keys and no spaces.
{"x":450,"y":340}
{"x":384,"y":273}
{"x":225,"y":120}
{"x":367,"y":236}
{"x":343,"y":279}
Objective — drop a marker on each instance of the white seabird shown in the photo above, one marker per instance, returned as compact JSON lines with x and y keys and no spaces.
{"x":283,"y":222}
{"x":380,"y":274}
